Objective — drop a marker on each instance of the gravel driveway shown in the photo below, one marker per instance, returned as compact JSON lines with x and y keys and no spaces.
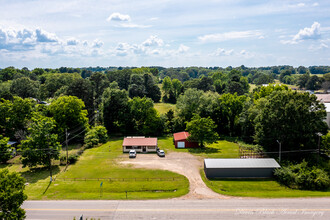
{"x":182,"y":163}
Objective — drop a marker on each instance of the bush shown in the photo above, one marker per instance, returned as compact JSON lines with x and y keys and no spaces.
{"x":303,"y":177}
{"x":73,"y":158}
{"x":96,"y":135}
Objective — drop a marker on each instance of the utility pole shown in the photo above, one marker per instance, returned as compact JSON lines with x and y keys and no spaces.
{"x":66,"y":140}
{"x":319,"y":151}
{"x":50,"y":161}
{"x":279,"y":152}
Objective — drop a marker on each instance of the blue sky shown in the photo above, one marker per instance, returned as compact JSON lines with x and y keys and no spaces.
{"x":78,"y":33}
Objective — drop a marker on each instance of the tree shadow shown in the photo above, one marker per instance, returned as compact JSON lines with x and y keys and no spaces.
{"x":4,"y":165}
{"x":33,"y":175}
{"x":206,"y":150}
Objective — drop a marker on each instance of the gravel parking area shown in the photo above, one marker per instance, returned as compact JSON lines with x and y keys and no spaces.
{"x":182,"y":163}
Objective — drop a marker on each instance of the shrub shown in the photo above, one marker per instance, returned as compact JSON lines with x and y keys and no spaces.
{"x":302,"y":176}
{"x":96,"y":135}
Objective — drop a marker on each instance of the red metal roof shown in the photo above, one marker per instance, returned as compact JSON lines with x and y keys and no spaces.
{"x":181,"y":136}
{"x":139,"y":141}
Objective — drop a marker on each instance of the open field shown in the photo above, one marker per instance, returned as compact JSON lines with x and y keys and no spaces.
{"x":163,"y":108}
{"x":221,"y":149}
{"x":263,"y":188}
{"x":101,"y":162}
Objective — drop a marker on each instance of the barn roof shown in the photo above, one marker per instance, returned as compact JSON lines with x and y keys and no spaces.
{"x":241,"y":163}
{"x":181,"y":136}
{"x":139,"y":141}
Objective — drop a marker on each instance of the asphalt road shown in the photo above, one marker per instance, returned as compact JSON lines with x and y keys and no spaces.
{"x":233,"y":208}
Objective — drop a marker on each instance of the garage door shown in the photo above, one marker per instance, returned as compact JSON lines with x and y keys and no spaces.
{"x":180,"y":144}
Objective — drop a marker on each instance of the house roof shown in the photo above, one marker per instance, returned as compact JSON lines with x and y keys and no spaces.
{"x":181,"y":136}
{"x":241,"y":163}
{"x":325,"y":98}
{"x":139,"y":141}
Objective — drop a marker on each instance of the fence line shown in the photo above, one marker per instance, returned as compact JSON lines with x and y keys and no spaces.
{"x":121,"y":179}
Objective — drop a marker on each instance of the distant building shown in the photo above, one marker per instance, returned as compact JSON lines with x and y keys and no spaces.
{"x":140,"y":144}
{"x":325,"y":99}
{"x":181,"y":140}
{"x":240,"y":168}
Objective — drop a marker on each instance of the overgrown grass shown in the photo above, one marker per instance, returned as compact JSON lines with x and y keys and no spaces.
{"x":163,"y":108}
{"x":221,"y":149}
{"x":102,"y":162}
{"x":263,"y":188}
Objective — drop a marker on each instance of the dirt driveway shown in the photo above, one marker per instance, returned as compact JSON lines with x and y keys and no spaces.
{"x":182,"y":163}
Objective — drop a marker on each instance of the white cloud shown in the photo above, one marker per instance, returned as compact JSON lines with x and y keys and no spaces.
{"x":309,"y":33}
{"x":183,"y":48}
{"x":118,"y":17}
{"x":97,"y":43}
{"x":312,"y":33}
{"x":230,"y":36}
{"x":316,"y":4}
{"x":72,"y":42}
{"x":223,"y":52}
{"x":44,"y":36}
{"x":153,"y":41}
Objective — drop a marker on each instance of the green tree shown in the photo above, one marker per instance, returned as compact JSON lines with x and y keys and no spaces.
{"x":151,"y":88}
{"x":145,"y":117}
{"x":69,"y":113}
{"x":167,"y":87}
{"x":11,"y":195}
{"x":99,"y":84}
{"x":292,"y":118}
{"x":177,"y":87}
{"x":41,"y":144}
{"x":202,"y":130}
{"x":14,"y":115}
{"x":115,"y":109}
{"x":96,"y":135}
{"x":4,"y":149}
{"x":24,"y":87}
{"x":189,"y":104}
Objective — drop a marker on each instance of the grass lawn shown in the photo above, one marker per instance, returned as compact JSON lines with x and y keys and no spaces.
{"x":102,"y":162}
{"x":221,"y":149}
{"x":263,"y":188}
{"x":163,"y":108}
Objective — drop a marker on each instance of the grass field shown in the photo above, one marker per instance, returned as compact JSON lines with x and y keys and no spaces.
{"x":102,"y":162}
{"x":163,"y":108}
{"x":262,"y":188}
{"x":221,"y":149}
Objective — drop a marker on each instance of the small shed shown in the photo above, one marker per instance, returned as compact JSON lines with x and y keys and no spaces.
{"x":181,"y":140}
{"x":140,"y":144}
{"x":240,"y":168}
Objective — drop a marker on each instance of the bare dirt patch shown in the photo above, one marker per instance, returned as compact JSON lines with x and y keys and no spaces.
{"x":182,"y":163}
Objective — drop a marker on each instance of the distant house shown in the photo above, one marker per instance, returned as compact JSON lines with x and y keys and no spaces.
{"x":181,"y":140}
{"x":325,"y":99}
{"x":240,"y":168}
{"x":140,"y":144}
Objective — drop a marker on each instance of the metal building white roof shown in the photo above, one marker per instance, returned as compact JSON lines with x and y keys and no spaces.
{"x":241,"y":163}
{"x":327,"y":107}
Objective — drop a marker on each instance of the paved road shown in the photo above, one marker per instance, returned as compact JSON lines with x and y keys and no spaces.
{"x":317,"y":208}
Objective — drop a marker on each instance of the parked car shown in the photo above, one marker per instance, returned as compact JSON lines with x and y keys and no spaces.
{"x":132,"y":154}
{"x":160,"y":153}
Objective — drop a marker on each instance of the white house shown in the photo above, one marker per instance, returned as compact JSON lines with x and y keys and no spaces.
{"x":140,"y":144}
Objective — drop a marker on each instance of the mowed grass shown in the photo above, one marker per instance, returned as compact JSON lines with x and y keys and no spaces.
{"x":163,"y":108}
{"x":220,"y":149}
{"x":262,"y":188}
{"x":103,"y":162}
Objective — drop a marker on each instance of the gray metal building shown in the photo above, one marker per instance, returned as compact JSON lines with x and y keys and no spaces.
{"x":240,"y":168}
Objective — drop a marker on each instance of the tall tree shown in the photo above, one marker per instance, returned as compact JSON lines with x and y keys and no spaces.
{"x":99,"y":84}
{"x":115,"y":109}
{"x":24,"y":87}
{"x":41,"y":144}
{"x":69,"y":113}
{"x":4,"y":149}
{"x":202,"y":130}
{"x":292,"y":118}
{"x":11,"y":195}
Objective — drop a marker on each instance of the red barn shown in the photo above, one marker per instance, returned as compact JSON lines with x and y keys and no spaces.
{"x":180,"y":140}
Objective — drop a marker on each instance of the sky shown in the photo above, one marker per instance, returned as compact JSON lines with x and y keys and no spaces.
{"x":168,"y":33}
